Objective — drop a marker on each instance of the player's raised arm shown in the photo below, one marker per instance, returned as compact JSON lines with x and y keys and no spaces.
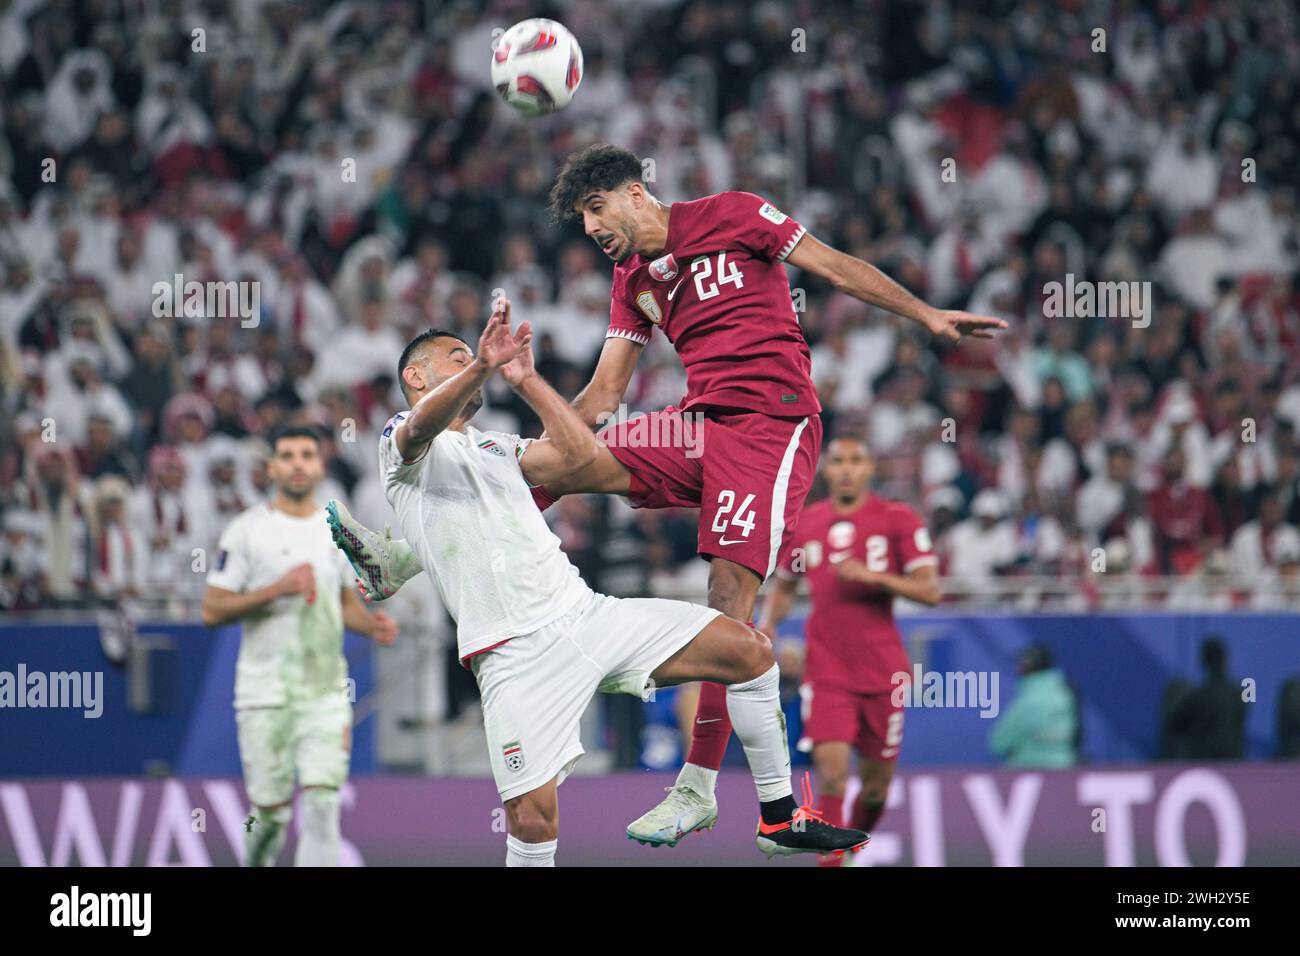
{"x":864,"y":281}
{"x":569,"y":445}
{"x":609,"y":381}
{"x":444,"y":404}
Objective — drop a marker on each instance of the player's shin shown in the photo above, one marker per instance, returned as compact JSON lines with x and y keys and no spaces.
{"x":265,"y":834}
{"x":756,"y":715}
{"x":519,"y":853}
{"x":711,"y":730}
{"x":320,"y":839}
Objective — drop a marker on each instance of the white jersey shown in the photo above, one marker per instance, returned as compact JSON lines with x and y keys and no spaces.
{"x":466,"y":510}
{"x":290,"y":650}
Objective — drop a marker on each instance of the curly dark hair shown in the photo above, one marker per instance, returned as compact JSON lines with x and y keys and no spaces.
{"x":597,"y":168}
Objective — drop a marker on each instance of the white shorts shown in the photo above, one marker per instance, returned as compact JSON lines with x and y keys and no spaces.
{"x":312,"y":738}
{"x":535,"y":688}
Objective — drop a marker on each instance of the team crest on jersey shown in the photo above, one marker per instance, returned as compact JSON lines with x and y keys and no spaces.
{"x":648,"y":305}
{"x":514,"y":755}
{"x":841,"y":534}
{"x":664,"y":269}
{"x":768,"y":211}
{"x":490,"y":445}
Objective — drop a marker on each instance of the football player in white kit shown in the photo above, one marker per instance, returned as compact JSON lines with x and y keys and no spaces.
{"x":279,"y":574}
{"x":538,"y":640}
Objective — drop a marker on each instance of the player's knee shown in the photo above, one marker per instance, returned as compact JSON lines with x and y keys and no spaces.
{"x":529,"y":821}
{"x":759,"y":653}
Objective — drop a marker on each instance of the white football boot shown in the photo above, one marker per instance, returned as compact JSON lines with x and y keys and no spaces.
{"x":689,"y":806}
{"x":382,"y":564}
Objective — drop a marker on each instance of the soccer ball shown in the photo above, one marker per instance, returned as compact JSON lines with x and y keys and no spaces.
{"x":537,"y":66}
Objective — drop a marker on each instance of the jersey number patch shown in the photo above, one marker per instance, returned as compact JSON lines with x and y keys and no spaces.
{"x":727,"y":274}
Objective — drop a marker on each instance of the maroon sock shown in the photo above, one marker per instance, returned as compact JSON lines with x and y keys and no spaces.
{"x":712,"y":727}
{"x":866,"y":815}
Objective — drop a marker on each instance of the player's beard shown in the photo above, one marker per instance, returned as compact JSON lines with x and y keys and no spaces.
{"x":296,"y":493}
{"x":473,"y":405}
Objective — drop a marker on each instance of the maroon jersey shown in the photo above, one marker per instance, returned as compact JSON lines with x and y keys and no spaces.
{"x":852,"y":640}
{"x":720,"y":293}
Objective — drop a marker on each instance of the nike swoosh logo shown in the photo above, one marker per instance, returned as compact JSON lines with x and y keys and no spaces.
{"x":712,"y":721}
{"x":736,"y":541}
{"x":676,"y":287}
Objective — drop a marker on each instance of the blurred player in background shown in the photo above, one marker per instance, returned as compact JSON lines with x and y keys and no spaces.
{"x":539,"y":641}
{"x":279,"y":574}
{"x":859,"y":551}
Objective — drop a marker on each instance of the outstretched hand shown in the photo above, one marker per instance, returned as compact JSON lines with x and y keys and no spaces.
{"x":497,"y":346}
{"x":520,"y":368}
{"x":952,"y":325}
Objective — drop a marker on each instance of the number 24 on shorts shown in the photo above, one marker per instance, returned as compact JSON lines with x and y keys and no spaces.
{"x":743,"y":517}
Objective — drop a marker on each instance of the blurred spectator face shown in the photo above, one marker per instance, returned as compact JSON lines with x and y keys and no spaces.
{"x":112,"y":510}
{"x":171,"y":475}
{"x":1288,"y":467}
{"x":84,"y":374}
{"x":99,"y":434}
{"x":1175,"y":463}
{"x":432,"y":256}
{"x":52,"y":469}
{"x":847,"y":467}
{"x":1119,"y":465}
{"x":296,"y":467}
{"x":222,"y":471}
{"x":1270,"y":511}
{"x":190,"y":428}
{"x":1024,"y":425}
{"x":1053,"y":393}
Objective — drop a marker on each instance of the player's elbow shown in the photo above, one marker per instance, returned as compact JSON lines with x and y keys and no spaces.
{"x":579,"y":457}
{"x":932,"y":595}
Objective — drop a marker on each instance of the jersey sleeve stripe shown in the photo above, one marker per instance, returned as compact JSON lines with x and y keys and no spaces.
{"x":920,"y":562}
{"x":637,"y":337}
{"x":790,"y":243}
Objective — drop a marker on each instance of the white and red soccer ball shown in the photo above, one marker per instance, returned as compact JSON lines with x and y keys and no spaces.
{"x":537,"y":66}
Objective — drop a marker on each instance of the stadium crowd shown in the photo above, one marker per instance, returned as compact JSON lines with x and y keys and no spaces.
{"x":350,"y":163}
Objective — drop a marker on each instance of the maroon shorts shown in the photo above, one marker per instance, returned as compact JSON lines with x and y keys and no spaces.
{"x":872,"y":723}
{"x":747,"y":472}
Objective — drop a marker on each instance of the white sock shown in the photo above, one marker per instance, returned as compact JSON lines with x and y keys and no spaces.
{"x":519,"y":853}
{"x":319,"y":840}
{"x":700,"y":779}
{"x":759,"y":722}
{"x":265,"y":839}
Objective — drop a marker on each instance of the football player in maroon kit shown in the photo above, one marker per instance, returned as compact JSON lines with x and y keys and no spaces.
{"x":858,"y":551}
{"x":709,"y":275}
{"x":743,"y":443}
